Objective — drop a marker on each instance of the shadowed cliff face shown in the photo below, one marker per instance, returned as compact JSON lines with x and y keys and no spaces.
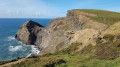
{"x":28,"y":31}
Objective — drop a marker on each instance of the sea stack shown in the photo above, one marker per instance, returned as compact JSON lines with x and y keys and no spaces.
{"x":27,"y":33}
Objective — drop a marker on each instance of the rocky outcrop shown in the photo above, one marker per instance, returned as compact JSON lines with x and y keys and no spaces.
{"x":27,"y":33}
{"x":61,"y":32}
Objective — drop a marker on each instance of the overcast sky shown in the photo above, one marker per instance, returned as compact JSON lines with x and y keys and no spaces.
{"x":51,"y":8}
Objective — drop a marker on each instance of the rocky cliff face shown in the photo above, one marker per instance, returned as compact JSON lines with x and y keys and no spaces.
{"x":27,"y":33}
{"x":62,"y":32}
{"x":75,"y":27}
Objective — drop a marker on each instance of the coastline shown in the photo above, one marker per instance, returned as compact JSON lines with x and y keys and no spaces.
{"x":75,"y":40}
{"x":10,"y":48}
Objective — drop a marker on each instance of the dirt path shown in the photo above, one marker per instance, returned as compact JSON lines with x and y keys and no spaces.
{"x":12,"y":63}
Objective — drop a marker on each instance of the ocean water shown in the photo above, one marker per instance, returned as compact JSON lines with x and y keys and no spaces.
{"x":10,"y":48}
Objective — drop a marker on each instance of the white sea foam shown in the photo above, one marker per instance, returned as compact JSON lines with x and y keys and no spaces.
{"x":15,"y":48}
{"x":10,"y":38}
{"x":19,"y":42}
{"x":34,"y":50}
{"x":29,"y":55}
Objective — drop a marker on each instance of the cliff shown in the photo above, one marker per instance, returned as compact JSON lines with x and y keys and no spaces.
{"x":75,"y":27}
{"x":84,"y":38}
{"x":81,"y":26}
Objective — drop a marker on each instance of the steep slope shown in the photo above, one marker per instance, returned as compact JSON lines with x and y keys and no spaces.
{"x":27,"y":33}
{"x":106,"y":17}
{"x":77,"y":26}
{"x":61,"y":32}
{"x":113,"y":30}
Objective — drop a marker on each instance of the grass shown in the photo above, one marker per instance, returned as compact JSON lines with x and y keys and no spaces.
{"x":101,"y":63}
{"x":68,"y":57}
{"x":103,"y":16}
{"x":103,"y":55}
{"x":109,"y":49}
{"x":68,"y":60}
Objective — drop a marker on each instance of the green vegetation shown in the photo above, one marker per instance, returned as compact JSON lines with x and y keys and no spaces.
{"x":67,"y":24}
{"x":4,"y":62}
{"x":109,"y":37}
{"x":103,"y":16}
{"x":68,"y":60}
{"x":20,"y":27}
{"x":105,"y":54}
{"x":72,"y":48}
{"x":69,"y":57}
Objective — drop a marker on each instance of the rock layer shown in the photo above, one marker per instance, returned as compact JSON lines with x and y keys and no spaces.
{"x":62,"y":32}
{"x":28,"y":31}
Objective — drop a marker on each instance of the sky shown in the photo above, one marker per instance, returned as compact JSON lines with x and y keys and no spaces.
{"x":51,"y":8}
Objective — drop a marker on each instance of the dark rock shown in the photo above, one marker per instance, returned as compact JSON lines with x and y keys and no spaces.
{"x":53,"y":63}
{"x":33,"y":56}
{"x":28,"y":31}
{"x":118,"y":45}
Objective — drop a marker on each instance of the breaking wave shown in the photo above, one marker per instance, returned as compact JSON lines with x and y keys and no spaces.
{"x":15,"y":48}
{"x":34,"y":50}
{"x":10,"y":38}
{"x":22,"y":47}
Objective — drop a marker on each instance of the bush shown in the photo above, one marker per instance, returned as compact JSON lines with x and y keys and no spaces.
{"x":99,"y":40}
{"x":53,"y":63}
{"x":109,"y":37}
{"x":72,"y":48}
{"x":108,"y":50}
{"x":20,"y":27}
{"x":87,"y":49}
{"x":105,"y":53}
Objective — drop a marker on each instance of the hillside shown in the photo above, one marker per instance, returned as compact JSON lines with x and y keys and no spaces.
{"x":84,"y":38}
{"x":103,"y":16}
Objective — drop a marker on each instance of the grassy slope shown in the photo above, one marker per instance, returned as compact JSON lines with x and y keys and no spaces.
{"x":90,"y":56}
{"x":106,"y":17}
{"x":71,"y":58}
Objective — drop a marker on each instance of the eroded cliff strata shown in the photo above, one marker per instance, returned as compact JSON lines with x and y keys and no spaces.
{"x":62,"y":32}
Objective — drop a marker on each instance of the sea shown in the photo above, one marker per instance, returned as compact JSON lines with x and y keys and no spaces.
{"x":10,"y":48}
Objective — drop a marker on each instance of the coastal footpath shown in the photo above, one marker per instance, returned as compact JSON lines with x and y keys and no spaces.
{"x":84,"y":38}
